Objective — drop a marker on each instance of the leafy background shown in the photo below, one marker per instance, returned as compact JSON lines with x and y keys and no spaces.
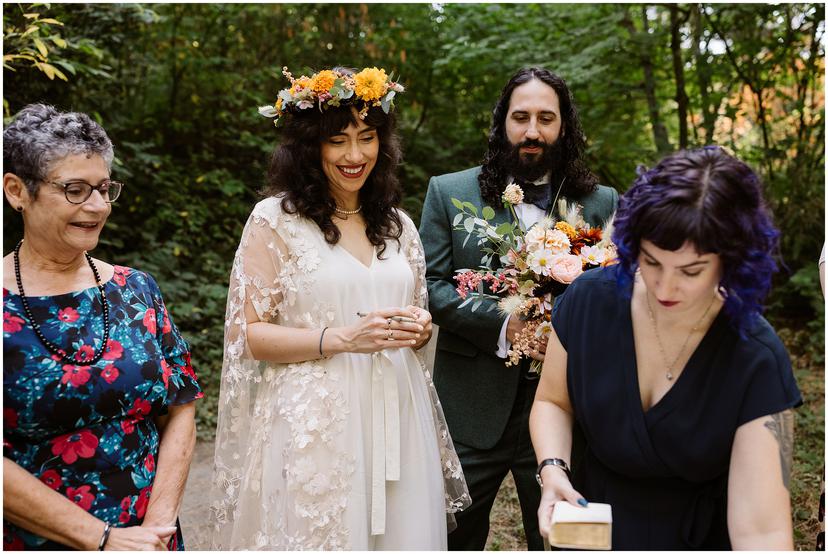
{"x":176,"y":87}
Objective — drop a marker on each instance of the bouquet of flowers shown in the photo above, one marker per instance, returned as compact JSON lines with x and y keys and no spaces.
{"x":535,"y":264}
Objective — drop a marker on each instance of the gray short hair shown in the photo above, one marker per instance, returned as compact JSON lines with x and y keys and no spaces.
{"x":39,"y":135}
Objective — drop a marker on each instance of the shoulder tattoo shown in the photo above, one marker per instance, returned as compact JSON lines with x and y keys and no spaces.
{"x":781,"y":425}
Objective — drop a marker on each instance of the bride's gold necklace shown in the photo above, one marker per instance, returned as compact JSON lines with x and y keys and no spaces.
{"x":671,"y":366}
{"x":341,"y":211}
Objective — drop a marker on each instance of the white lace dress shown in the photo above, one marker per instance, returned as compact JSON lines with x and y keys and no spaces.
{"x":346,"y":452}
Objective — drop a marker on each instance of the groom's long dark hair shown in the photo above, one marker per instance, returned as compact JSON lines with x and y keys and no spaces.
{"x":579,"y":179}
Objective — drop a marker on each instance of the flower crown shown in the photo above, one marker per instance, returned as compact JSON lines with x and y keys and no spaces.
{"x":330,"y":87}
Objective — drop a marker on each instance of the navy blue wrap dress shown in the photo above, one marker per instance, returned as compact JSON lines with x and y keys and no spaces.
{"x":663,"y":470}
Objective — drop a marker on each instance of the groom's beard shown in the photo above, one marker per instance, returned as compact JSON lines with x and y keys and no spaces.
{"x":532,"y":167}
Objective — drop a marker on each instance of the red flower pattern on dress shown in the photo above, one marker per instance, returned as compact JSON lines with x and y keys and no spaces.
{"x":166,"y":371}
{"x":68,"y":315}
{"x":120,"y":275}
{"x":52,"y":479}
{"x":75,"y":454}
{"x":110,"y":373}
{"x":12,"y":323}
{"x":72,"y":446}
{"x":77,"y":375}
{"x":9,"y":418}
{"x":149,"y":320}
{"x":81,"y":496}
{"x":85,"y":353}
{"x":187,"y":368}
{"x":142,"y":501}
{"x":140,"y":408}
{"x":149,"y":463}
{"x":128,"y":425}
{"x":113,"y":351}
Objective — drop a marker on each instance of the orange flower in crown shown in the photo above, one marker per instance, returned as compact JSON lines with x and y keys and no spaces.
{"x":332,"y":87}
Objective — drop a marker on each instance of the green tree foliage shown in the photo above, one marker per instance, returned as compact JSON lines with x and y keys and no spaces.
{"x":177,"y":86}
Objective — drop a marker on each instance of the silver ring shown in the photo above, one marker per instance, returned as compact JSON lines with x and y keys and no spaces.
{"x":390,"y":335}
{"x":389,"y":320}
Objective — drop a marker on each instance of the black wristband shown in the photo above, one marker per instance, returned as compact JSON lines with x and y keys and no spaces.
{"x":104,"y":537}
{"x":552,"y":462}
{"x":320,"y":342}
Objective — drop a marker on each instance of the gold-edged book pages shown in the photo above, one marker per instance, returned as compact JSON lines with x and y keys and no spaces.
{"x":587,"y":528}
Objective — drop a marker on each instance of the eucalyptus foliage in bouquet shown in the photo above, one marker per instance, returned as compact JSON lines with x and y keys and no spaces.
{"x":524,"y":269}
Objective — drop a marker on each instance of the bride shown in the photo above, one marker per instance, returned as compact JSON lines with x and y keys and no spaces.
{"x":330,"y":434}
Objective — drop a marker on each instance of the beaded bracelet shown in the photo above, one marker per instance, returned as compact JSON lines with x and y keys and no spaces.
{"x":104,"y":537}
{"x":320,"y":342}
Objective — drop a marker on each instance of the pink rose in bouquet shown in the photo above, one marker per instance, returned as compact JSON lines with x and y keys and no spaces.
{"x":566,"y":267}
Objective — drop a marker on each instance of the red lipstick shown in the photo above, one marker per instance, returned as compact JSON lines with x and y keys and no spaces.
{"x":351,"y":174}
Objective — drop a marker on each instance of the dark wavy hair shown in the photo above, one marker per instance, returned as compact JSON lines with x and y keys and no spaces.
{"x":296,"y":170}
{"x":714,"y":201}
{"x":579,"y":180}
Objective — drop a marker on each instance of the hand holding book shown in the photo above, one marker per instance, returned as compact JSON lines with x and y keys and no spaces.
{"x":556,"y":487}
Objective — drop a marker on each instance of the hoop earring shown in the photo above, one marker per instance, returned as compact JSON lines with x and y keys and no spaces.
{"x":20,"y":209}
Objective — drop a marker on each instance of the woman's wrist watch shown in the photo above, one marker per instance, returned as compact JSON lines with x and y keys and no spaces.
{"x":552,"y":462}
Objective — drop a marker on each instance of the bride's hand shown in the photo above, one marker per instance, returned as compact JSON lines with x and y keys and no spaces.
{"x":424,"y":319}
{"x":379,"y":330}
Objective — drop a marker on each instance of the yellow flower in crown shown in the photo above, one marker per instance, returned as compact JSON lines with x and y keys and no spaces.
{"x":369,"y":84}
{"x":331,"y":88}
{"x":323,"y":81}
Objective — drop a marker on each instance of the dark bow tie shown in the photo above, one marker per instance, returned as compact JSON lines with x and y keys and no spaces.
{"x":539,"y":195}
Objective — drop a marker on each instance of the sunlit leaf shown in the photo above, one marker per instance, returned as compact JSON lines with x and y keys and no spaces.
{"x":41,"y":47}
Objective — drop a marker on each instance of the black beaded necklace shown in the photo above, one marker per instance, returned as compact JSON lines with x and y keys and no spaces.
{"x":36,"y":327}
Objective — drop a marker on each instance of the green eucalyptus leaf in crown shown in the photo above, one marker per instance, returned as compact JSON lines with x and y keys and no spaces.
{"x":330,"y":87}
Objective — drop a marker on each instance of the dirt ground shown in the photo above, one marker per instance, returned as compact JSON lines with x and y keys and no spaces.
{"x":506,"y":531}
{"x":195,"y":509}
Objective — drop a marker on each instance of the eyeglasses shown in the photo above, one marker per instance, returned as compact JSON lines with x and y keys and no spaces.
{"x":78,"y":192}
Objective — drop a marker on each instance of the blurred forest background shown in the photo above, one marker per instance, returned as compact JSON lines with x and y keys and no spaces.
{"x":177,"y":86}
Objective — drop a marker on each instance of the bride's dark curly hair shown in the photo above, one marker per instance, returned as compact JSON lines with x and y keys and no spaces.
{"x":579,"y":179}
{"x":296,"y":170}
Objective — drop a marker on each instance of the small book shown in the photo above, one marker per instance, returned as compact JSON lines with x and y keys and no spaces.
{"x":587,"y":528}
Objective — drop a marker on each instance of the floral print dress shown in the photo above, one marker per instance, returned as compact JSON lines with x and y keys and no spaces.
{"x":88,"y":432}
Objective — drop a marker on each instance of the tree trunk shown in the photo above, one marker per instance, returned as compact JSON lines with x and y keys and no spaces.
{"x":708,"y":110}
{"x":678,"y":71}
{"x":660,"y":137}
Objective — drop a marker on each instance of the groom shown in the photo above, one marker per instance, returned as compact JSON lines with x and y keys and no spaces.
{"x":535,"y":140}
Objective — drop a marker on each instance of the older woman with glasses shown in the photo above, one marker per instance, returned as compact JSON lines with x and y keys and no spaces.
{"x":98,"y":388}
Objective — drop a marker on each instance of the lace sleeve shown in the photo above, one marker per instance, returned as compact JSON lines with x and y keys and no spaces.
{"x":260,"y":285}
{"x":456,"y":491}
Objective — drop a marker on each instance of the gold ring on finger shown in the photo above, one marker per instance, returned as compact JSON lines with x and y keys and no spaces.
{"x":389,"y":320}
{"x":390,"y":335}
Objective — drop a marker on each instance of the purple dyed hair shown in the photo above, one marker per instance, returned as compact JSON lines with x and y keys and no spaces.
{"x":714,"y":201}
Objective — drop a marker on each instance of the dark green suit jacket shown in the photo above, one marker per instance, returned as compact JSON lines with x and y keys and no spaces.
{"x":476,"y":388}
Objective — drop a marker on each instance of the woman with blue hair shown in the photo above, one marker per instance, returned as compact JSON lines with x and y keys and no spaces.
{"x":682,"y":389}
